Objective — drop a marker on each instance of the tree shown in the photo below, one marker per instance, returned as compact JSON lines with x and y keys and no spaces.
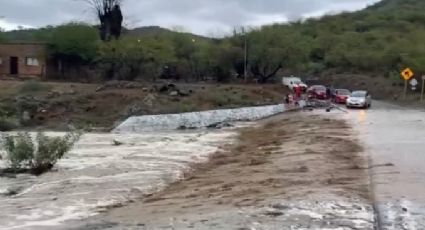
{"x":110,"y":17}
{"x":273,"y":48}
{"x":72,"y":45}
{"x":74,"y":42}
{"x":227,"y":59}
{"x":129,"y":58}
{"x":185,"y":48}
{"x":2,"y":37}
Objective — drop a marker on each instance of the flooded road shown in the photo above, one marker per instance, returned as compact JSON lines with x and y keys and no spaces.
{"x":394,"y":138}
{"x":292,"y":171}
{"x":98,"y":175}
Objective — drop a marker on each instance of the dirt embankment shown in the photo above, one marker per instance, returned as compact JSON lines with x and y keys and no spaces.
{"x":54,"y":105}
{"x":292,"y":170}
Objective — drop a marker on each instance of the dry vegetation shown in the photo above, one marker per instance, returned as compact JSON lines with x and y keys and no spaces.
{"x":57,"y":105}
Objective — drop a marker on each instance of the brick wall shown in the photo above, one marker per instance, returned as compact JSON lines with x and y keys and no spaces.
{"x":23,"y":51}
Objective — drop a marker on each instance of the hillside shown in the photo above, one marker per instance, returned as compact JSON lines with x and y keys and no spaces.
{"x":379,"y":40}
{"x":30,"y":35}
{"x":148,"y":31}
{"x":157,"y":31}
{"x":368,"y":48}
{"x":363,"y":49}
{"x":397,"y":5}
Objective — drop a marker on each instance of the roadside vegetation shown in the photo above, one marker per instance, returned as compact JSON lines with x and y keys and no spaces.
{"x":7,"y":124}
{"x":36,"y":155}
{"x":30,"y":87}
{"x":381,"y":39}
{"x":129,"y":68}
{"x":26,"y":105}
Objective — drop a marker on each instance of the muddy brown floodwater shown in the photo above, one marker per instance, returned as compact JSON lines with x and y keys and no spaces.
{"x":294,"y":171}
{"x":99,"y":174}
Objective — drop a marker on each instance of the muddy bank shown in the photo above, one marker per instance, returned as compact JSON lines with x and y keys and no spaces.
{"x":295,"y":171}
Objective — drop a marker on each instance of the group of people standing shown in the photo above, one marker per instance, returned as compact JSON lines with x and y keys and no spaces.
{"x":295,"y":96}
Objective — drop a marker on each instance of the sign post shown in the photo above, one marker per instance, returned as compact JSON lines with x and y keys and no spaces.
{"x":407,"y":74}
{"x":423,"y":88}
{"x":405,"y":90}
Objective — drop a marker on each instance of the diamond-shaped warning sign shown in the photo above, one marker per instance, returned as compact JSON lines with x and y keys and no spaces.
{"x":407,"y":74}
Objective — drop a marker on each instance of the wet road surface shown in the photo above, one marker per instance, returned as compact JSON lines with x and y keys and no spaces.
{"x":394,"y":138}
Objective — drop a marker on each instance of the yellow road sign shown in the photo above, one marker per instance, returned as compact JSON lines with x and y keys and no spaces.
{"x":407,"y":74}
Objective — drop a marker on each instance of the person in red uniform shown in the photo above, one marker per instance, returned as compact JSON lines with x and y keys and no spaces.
{"x":298,"y":91}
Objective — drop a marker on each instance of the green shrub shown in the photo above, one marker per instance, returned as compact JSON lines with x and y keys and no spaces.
{"x":19,"y":150}
{"x":26,"y":108}
{"x":186,"y":107}
{"x":7,"y":124}
{"x":34,"y":87}
{"x":38,"y":155}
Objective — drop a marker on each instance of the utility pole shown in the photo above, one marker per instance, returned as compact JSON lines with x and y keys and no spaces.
{"x":423,"y":88}
{"x":245,"y":57}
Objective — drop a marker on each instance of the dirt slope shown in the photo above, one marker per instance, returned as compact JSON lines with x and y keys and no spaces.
{"x":94,"y":105}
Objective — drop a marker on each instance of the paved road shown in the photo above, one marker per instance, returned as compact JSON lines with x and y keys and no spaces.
{"x":395,"y":139}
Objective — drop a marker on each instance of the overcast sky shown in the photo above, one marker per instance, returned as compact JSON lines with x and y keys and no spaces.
{"x":206,"y":17}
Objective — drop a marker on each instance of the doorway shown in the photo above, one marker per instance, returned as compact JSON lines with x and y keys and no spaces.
{"x":14,"y":61}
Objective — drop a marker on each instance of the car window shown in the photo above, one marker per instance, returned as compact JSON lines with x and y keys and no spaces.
{"x":359,"y":94}
{"x":343,"y":92}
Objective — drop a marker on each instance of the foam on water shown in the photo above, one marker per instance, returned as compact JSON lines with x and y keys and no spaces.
{"x":97,"y":175}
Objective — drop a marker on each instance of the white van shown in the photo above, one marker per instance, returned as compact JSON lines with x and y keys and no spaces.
{"x":291,"y":82}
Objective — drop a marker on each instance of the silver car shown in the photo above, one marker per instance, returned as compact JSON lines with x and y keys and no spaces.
{"x":359,"y":99}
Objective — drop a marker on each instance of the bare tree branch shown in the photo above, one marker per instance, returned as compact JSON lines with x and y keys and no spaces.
{"x":110,"y":17}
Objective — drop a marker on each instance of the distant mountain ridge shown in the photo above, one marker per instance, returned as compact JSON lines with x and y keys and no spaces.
{"x":31,"y":35}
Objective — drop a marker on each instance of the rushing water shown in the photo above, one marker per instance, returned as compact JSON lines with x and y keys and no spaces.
{"x":97,"y":175}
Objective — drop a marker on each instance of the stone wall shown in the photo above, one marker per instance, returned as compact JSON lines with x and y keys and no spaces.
{"x":196,"y":119}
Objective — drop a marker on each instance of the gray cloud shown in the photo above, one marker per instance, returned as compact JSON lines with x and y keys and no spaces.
{"x":198,"y":16}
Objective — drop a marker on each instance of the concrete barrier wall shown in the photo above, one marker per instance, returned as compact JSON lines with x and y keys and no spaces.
{"x":196,"y":119}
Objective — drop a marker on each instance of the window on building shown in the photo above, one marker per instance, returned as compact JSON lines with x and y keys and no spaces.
{"x":32,"y":61}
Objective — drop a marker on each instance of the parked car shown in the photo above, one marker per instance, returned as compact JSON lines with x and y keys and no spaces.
{"x":340,"y":96}
{"x":318,"y":92}
{"x":291,"y":82}
{"x":359,"y":99}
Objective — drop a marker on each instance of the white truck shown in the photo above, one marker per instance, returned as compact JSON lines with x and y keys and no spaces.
{"x":291,"y":82}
